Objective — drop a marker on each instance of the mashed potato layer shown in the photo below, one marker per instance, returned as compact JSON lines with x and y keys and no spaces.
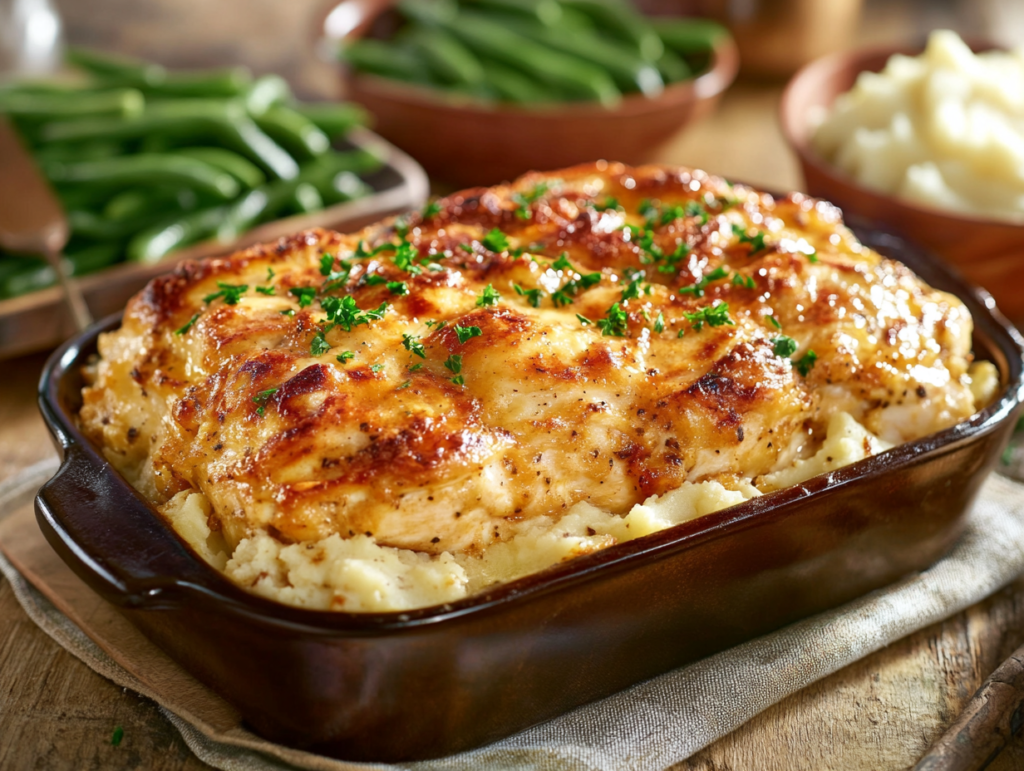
{"x":944,"y":129}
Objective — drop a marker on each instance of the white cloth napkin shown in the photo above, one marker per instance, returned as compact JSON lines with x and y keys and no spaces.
{"x":659,"y":722}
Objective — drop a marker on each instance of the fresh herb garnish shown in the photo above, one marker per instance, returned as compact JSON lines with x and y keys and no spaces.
{"x":412,"y":344}
{"x":188,"y":324}
{"x":747,"y":282}
{"x":532,"y":295}
{"x":374,"y":279}
{"x":489,"y":297}
{"x":319,"y":346}
{"x":230,"y":292}
{"x":495,"y":240}
{"x":262,"y":398}
{"x":404,"y":385}
{"x":572,"y":287}
{"x":783,"y":346}
{"x":305,"y":295}
{"x":270,"y":275}
{"x":454,"y":365}
{"x":712,"y":315}
{"x":615,"y":322}
{"x":465,"y":333}
{"x":774,"y":322}
{"x":345,"y":356}
{"x":813,"y":257}
{"x":755,"y":241}
{"x":432,"y":209}
{"x":326,"y":264}
{"x":671,"y":264}
{"x":632,"y":290}
{"x":375,"y":368}
{"x":343,"y":312}
{"x":398,"y":288}
{"x":523,"y":201}
{"x":805,"y":363}
{"x":117,"y":736}
{"x":288,"y":312}
{"x":405,"y":257}
{"x":697,"y":290}
{"x":430,"y":324}
{"x":562,"y":263}
{"x":584,"y":320}
{"x":416,"y":367}
{"x":267,"y":290}
{"x":363,"y":252}
{"x":659,"y":323}
{"x":695,"y":209}
{"x":608,"y":203}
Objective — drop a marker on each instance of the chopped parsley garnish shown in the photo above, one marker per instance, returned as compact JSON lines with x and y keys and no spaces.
{"x":432,"y":209}
{"x":188,"y":324}
{"x":289,"y":312}
{"x":489,"y":297}
{"x":584,"y":320}
{"x":270,"y":275}
{"x":562,"y":263}
{"x":319,"y":346}
{"x":574,"y":286}
{"x":337,"y":278}
{"x":608,"y":203}
{"x":747,"y":282}
{"x":398,"y":288}
{"x":375,"y":368}
{"x":430,"y":324}
{"x":813,"y":257}
{"x":412,"y":344}
{"x":755,"y":241}
{"x":374,"y":279}
{"x":784,"y":346}
{"x":117,"y":736}
{"x":454,"y":365}
{"x":532,"y":295}
{"x":343,"y":312}
{"x":267,"y":290}
{"x":262,"y":398}
{"x":805,"y":363}
{"x":405,"y":257}
{"x":326,"y":264}
{"x":416,"y":367}
{"x":672,"y":260}
{"x":402,"y":226}
{"x":648,"y":210}
{"x":230,"y":292}
{"x":496,"y":241}
{"x":659,"y":323}
{"x":697,"y":290}
{"x":345,"y":356}
{"x":774,"y":322}
{"x":632,"y":290}
{"x":305,"y":295}
{"x":695,"y":209}
{"x":362,"y":251}
{"x":523,"y":201}
{"x":614,"y":323}
{"x":712,"y":315}
{"x":466,"y":247}
{"x":464,"y":333}
{"x":404,"y":385}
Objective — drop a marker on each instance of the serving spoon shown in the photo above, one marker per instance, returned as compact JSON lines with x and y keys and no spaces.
{"x":32,"y":220}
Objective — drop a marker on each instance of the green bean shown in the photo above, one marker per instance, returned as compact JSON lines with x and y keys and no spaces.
{"x":630,"y":72}
{"x":561,"y":71}
{"x":513,"y":86}
{"x":342,"y":186}
{"x":293,"y":131}
{"x":333,"y":119}
{"x":267,"y":91}
{"x":234,"y":164}
{"x":449,"y":60}
{"x":136,"y":203}
{"x":227,"y":82}
{"x":547,"y":12}
{"x":155,"y":242}
{"x":119,"y":67}
{"x":620,"y":20}
{"x":305,"y":199}
{"x":689,"y":36}
{"x":125,"y":101}
{"x":386,"y":59}
{"x":145,"y":169}
{"x":98,"y":228}
{"x":77,"y":151}
{"x":22,"y":275}
{"x":673,"y":68}
{"x":227,"y":121}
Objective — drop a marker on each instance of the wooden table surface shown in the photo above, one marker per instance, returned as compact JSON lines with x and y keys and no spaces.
{"x":880,"y":713}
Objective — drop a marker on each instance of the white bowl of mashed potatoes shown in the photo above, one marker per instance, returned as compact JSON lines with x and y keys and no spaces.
{"x":929,"y":143}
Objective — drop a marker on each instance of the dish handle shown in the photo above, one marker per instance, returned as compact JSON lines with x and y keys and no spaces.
{"x":111,"y":537}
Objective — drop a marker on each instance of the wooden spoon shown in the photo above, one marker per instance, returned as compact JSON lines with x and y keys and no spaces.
{"x":31,"y":218}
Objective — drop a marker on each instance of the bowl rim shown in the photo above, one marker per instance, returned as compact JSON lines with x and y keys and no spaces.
{"x":214,"y":590}
{"x":710,"y":83}
{"x":797,"y":134}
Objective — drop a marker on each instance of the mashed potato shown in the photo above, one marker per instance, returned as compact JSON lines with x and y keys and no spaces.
{"x":944,"y":129}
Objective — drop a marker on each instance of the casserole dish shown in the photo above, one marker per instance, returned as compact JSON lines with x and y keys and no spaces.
{"x":434,"y":681}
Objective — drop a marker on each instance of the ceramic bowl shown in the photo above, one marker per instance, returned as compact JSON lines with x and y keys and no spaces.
{"x":987,"y":252}
{"x":433,"y":681}
{"x":465,"y":142}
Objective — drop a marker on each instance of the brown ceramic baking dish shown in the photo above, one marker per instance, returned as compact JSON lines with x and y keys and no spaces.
{"x":434,"y":681}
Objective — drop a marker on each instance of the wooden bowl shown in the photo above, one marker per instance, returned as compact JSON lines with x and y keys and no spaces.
{"x":466,"y":142}
{"x":987,"y":252}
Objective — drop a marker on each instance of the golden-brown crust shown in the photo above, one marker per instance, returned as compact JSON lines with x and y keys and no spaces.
{"x":551,"y":411}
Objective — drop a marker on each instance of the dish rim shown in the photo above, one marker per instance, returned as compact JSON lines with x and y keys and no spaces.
{"x":216,"y":590}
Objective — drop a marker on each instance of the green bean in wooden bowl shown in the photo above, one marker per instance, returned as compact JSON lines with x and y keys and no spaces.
{"x":483,"y":90}
{"x":152,"y":164}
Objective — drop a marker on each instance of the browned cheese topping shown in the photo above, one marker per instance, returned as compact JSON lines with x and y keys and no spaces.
{"x":602,"y":333}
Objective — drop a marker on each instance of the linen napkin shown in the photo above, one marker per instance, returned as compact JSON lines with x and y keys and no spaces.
{"x":650,"y":726}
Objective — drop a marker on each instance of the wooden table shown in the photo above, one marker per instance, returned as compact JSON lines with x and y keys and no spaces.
{"x":880,"y":713}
